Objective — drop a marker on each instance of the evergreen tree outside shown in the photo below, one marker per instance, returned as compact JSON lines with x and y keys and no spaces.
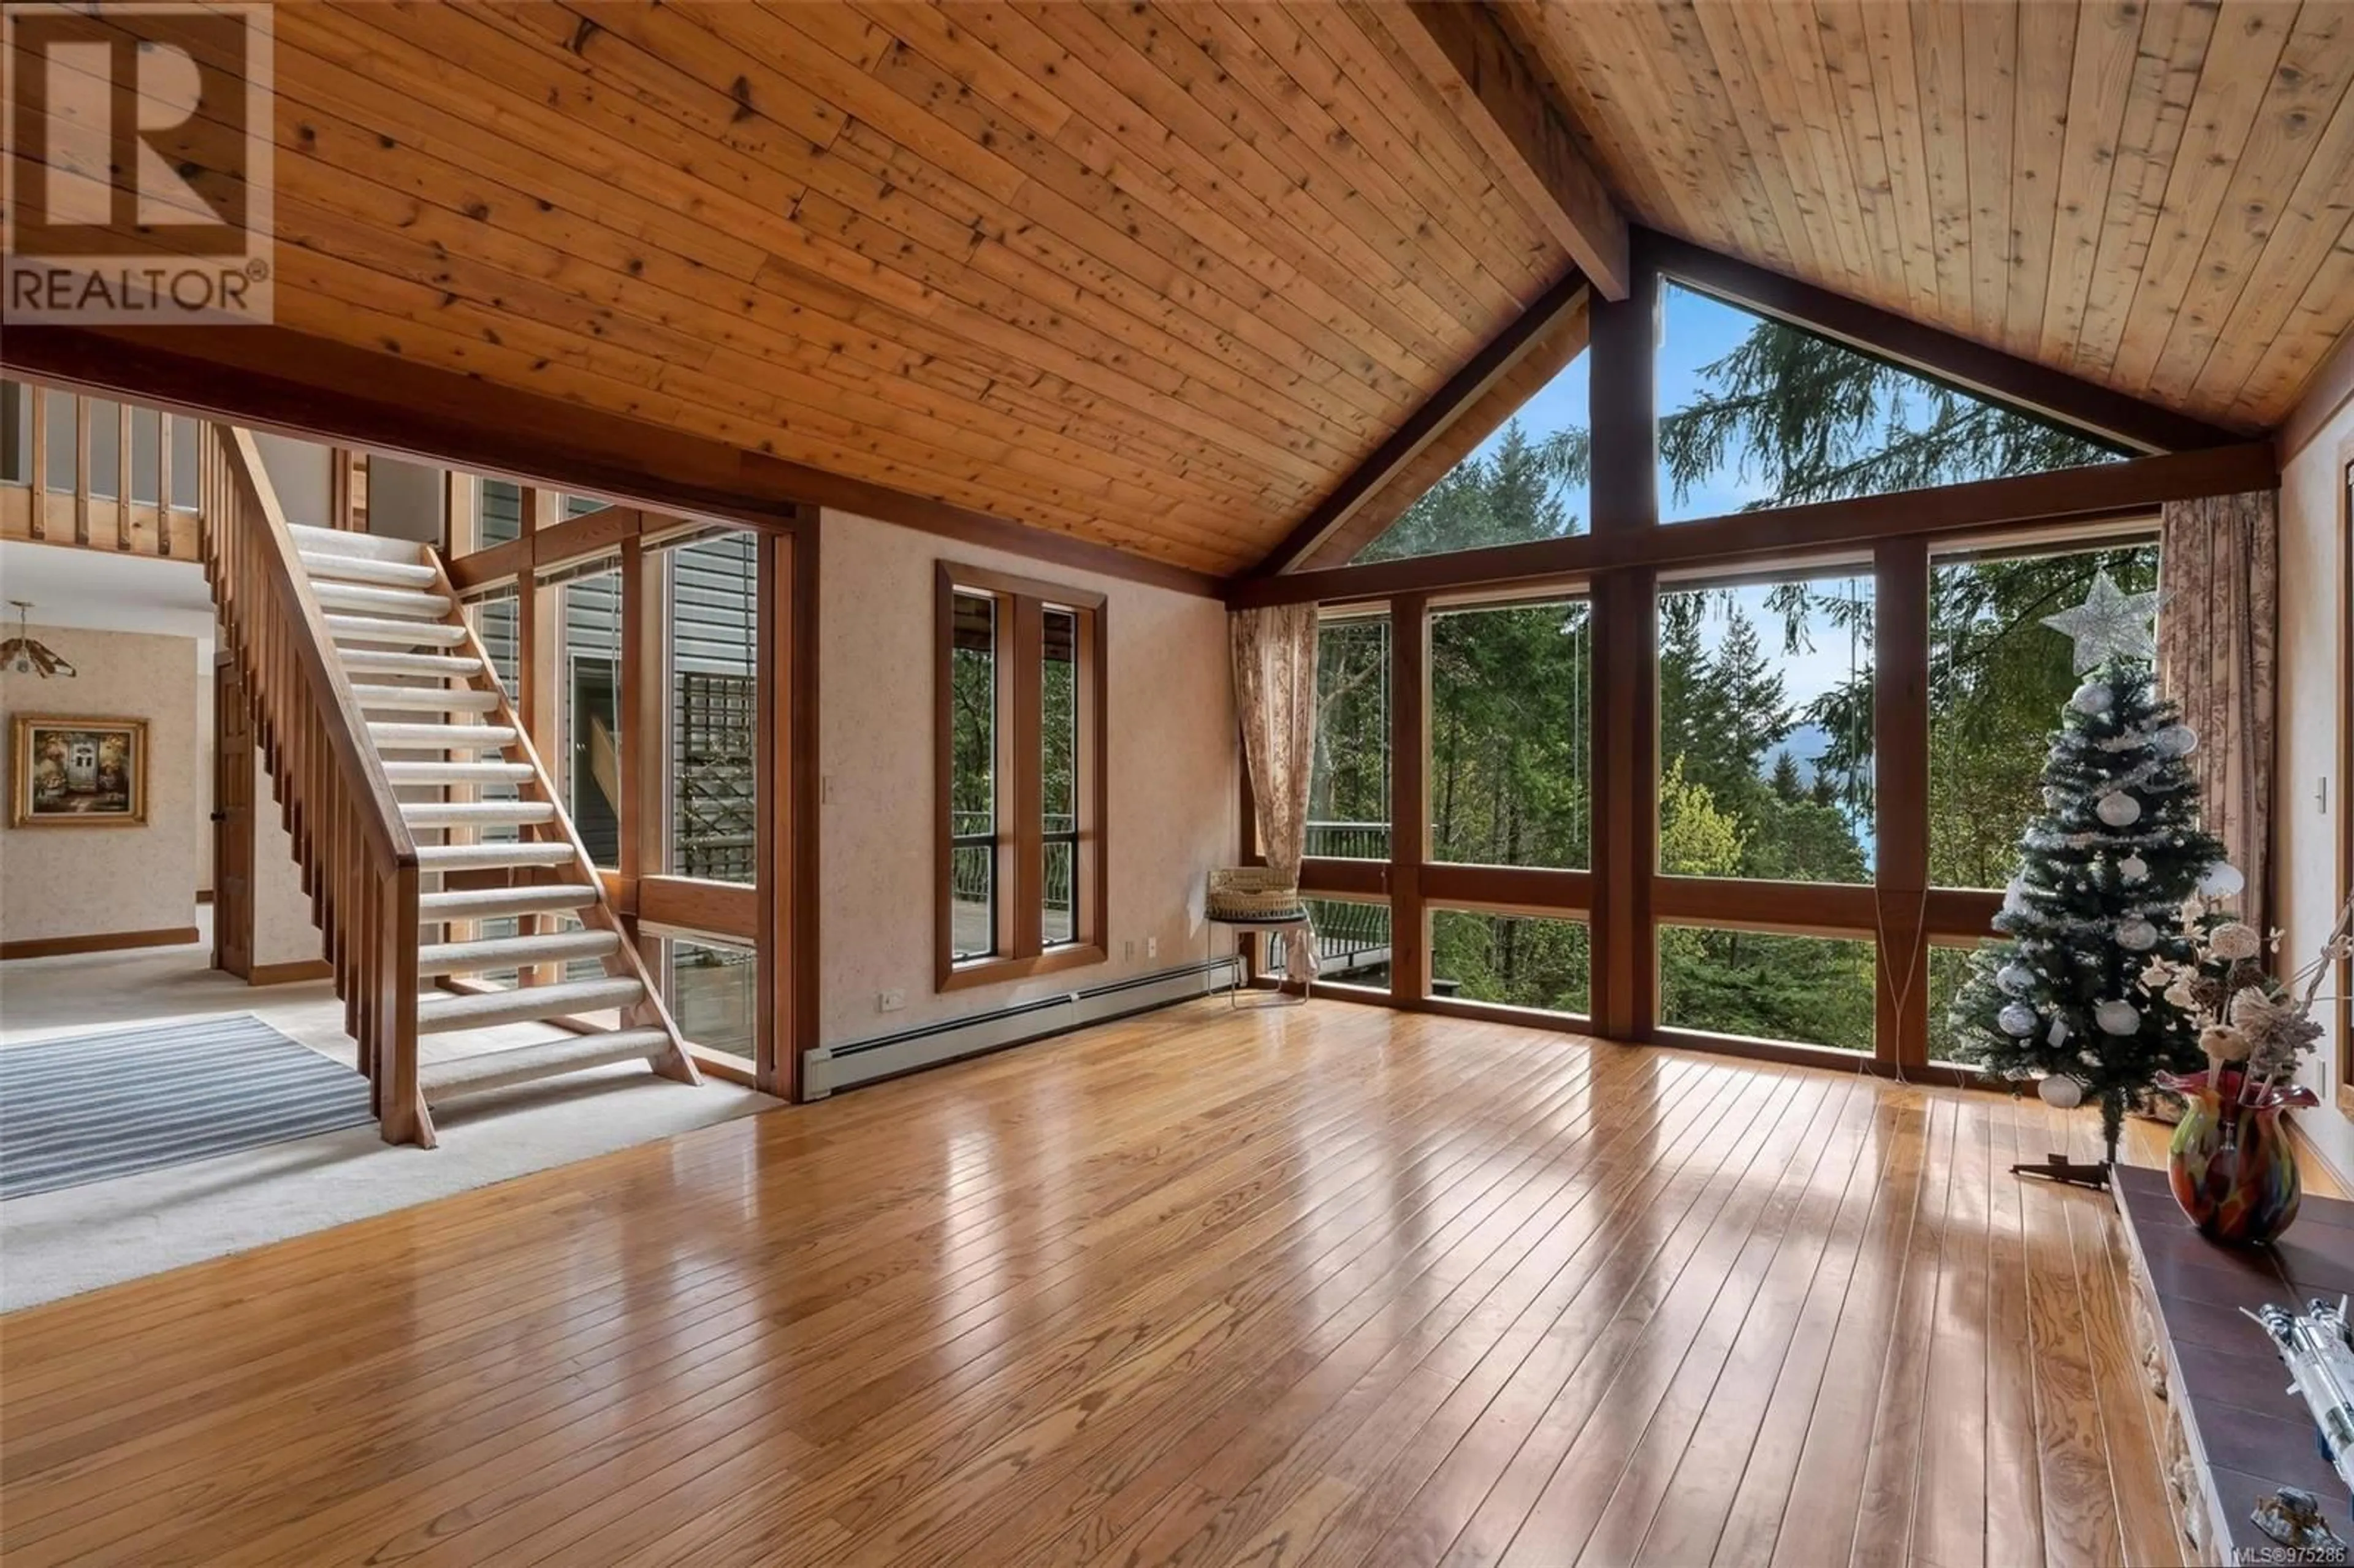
{"x":1775,"y":415}
{"x":2107,"y":865}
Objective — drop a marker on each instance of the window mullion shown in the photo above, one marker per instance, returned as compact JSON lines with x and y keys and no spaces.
{"x":1027,"y":796}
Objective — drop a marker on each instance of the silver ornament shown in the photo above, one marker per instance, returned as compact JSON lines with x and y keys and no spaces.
{"x":2061,"y":1092}
{"x":2133,"y":868}
{"x":2090,"y":698}
{"x":2117,"y":1017}
{"x":2136,"y":936}
{"x":2118,"y":808}
{"x":2176,"y":740}
{"x":2016,"y":979}
{"x":2018,"y":1019}
{"x":2222,"y":880}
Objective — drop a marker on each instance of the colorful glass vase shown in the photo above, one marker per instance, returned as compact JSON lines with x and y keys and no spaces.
{"x":2230,"y":1165}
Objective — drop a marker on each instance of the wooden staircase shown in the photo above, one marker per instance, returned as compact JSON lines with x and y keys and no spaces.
{"x":383,"y":723}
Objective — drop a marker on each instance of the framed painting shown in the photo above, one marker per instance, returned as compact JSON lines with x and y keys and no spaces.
{"x":77,"y":772}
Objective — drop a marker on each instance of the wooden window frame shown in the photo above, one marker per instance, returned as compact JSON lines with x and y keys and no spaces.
{"x":1019,"y":911}
{"x":1618,"y":568}
{"x":776,"y":915}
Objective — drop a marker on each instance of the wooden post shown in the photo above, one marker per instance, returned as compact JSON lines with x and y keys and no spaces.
{"x":1409,"y":796}
{"x":162,"y":484}
{"x":38,"y":469}
{"x":1625,"y":809}
{"x":1901,"y":797}
{"x":1625,"y":991}
{"x":123,"y":540}
{"x":82,"y":471}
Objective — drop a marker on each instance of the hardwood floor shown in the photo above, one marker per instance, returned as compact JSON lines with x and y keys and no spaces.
{"x":1331,"y":1286}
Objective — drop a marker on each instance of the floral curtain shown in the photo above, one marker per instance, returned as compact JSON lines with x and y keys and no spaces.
{"x":2220,"y":559}
{"x":1274,"y":701}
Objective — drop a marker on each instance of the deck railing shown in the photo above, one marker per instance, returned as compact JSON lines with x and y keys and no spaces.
{"x":1348,"y":841}
{"x":358,"y":858}
{"x":100,"y":474}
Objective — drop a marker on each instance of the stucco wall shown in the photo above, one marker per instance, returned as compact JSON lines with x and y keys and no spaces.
{"x":282,"y":931}
{"x":77,"y":880}
{"x":2313,"y":705}
{"x":1170,"y":758}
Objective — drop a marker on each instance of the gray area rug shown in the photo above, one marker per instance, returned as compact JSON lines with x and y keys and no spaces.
{"x":95,"y":1106}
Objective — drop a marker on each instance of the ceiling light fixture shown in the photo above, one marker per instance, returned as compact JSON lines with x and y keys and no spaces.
{"x":22,"y":656}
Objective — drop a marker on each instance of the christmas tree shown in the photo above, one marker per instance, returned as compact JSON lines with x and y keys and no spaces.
{"x":2073,"y":997}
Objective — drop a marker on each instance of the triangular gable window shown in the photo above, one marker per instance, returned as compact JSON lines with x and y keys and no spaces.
{"x":1758,"y":414}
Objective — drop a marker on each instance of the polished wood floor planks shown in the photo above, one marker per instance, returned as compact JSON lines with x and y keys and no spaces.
{"x":1335,"y":1286}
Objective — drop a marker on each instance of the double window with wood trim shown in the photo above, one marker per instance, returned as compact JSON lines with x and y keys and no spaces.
{"x":1021,"y":800}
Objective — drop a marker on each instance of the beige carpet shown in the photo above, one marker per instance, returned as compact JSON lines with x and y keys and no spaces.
{"x":80,"y":1238}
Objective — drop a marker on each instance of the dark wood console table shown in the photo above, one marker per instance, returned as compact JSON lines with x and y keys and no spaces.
{"x":2233,"y":1433}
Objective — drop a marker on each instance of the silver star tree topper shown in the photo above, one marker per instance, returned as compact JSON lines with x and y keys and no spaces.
{"x":2109,"y":625}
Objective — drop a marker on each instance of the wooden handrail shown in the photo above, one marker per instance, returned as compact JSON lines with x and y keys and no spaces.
{"x":347,"y":727}
{"x":356,"y":853}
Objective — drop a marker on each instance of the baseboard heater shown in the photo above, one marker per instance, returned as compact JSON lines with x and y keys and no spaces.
{"x":830,"y":1068}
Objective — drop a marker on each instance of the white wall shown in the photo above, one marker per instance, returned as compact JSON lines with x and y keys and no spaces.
{"x":2306,"y":760}
{"x":1170,"y":758}
{"x":302,"y":475}
{"x":90,"y":880}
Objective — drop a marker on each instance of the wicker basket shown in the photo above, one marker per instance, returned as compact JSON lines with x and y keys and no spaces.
{"x":1253,"y":893}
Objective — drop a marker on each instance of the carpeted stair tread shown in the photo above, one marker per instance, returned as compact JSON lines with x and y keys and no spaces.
{"x":367,"y":599}
{"x":325,"y":566}
{"x":475,"y":813}
{"x":342,"y":542}
{"x":441,"y":736}
{"x":490,"y":857}
{"x":513,"y":952}
{"x":491,"y":902}
{"x":527,"y":1064}
{"x":524,"y":1004}
{"x":404,"y":633}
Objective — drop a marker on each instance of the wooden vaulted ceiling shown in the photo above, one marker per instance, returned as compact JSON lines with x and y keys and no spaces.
{"x":1155,"y":275}
{"x":1169,"y":276}
{"x":2156,"y":195}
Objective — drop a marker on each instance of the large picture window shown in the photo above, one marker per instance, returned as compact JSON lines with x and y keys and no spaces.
{"x":1020,"y":748}
{"x":1758,"y":413}
{"x":1997,"y":679}
{"x":1513,"y":961}
{"x":1349,"y":785}
{"x":1510,"y":774}
{"x":1765,"y":715}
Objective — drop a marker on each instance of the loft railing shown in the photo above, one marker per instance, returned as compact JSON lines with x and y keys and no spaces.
{"x":97,"y":473}
{"x":358,"y":858}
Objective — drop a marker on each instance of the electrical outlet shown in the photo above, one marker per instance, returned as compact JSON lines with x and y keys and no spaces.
{"x":1152,"y":947}
{"x":891,"y":1001}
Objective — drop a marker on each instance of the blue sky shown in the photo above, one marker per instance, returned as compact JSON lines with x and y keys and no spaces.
{"x":1695,"y":332}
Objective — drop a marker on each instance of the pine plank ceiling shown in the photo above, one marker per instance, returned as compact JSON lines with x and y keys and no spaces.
{"x":1152,"y":275}
{"x":1160,"y":274}
{"x":2154,"y":195}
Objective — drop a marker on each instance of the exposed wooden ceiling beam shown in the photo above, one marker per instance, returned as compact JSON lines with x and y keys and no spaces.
{"x":1482,"y":73}
{"x":2099,"y":493}
{"x":1427,"y":424}
{"x":2020,"y":383}
{"x":308,"y":388}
